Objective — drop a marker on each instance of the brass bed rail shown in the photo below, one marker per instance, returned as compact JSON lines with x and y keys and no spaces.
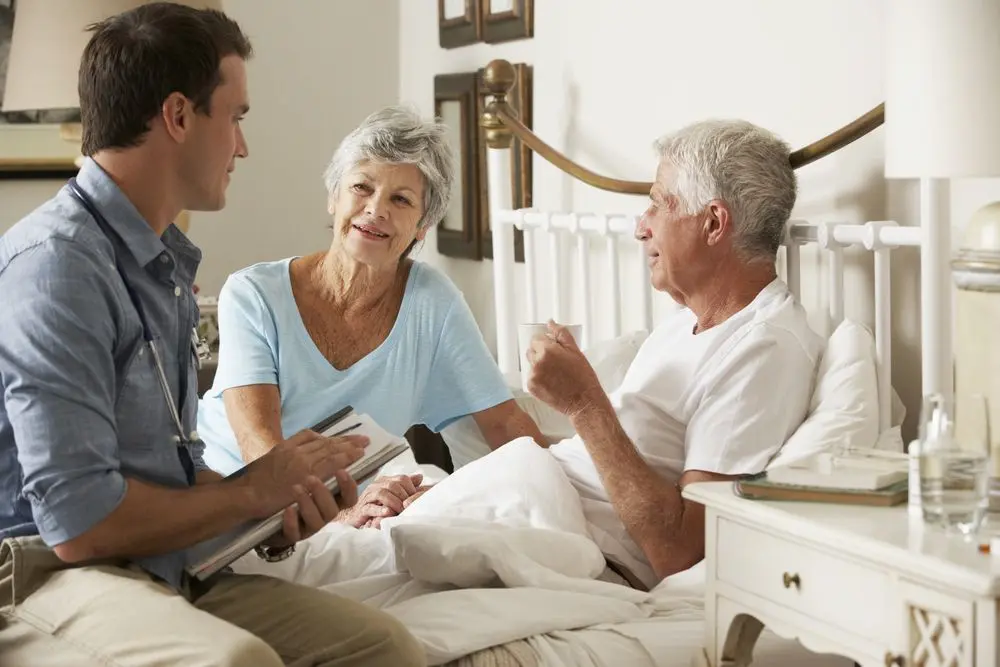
{"x":501,"y":124}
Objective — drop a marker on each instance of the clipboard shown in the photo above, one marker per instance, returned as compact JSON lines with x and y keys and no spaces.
{"x":210,"y":556}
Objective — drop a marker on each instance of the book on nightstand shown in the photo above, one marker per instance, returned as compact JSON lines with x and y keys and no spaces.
{"x":759,"y":487}
{"x":865,"y":478}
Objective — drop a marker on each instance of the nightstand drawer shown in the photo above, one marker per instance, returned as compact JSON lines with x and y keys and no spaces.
{"x":816,"y":583}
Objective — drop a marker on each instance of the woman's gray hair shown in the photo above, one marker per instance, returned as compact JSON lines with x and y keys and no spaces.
{"x":745,"y":166}
{"x":398,"y":135}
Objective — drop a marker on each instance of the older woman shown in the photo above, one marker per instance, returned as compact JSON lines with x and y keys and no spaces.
{"x":360,"y":323}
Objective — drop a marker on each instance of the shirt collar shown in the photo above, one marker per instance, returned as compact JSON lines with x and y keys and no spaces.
{"x":121,"y":215}
{"x":188,"y":254}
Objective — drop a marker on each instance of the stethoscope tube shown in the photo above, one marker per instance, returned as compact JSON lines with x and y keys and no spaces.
{"x":88,"y":204}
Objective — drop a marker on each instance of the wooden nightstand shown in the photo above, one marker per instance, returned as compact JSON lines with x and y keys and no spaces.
{"x":869,"y":583}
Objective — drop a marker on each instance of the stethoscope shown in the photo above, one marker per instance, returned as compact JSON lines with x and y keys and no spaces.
{"x":182,"y":440}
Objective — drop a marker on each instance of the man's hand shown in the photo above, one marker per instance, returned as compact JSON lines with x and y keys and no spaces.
{"x":559,"y":374}
{"x":384,"y":497}
{"x":314,"y":507}
{"x":289,"y":472}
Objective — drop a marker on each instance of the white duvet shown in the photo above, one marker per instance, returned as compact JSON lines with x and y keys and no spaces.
{"x":496,"y":552}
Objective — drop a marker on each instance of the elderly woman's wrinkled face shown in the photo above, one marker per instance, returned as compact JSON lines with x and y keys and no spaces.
{"x":670,"y":238}
{"x":376,"y":211}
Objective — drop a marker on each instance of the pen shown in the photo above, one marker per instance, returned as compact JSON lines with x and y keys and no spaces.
{"x":345,"y":430}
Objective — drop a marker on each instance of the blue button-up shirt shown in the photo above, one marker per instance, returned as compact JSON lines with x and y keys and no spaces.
{"x":82,"y":407}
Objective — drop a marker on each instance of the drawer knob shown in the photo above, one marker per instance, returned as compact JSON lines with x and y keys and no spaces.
{"x":791,"y":580}
{"x":894,"y":660}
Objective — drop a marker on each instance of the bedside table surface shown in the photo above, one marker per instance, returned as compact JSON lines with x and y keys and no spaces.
{"x":882,"y":534}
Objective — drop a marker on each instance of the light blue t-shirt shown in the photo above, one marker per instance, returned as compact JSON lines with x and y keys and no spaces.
{"x":432,"y":369}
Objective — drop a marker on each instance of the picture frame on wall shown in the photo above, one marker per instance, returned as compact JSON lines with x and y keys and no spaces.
{"x":507,"y":20}
{"x":459,"y":23}
{"x":37,"y":151}
{"x":520,"y":99}
{"x":33,"y":144}
{"x":456,"y":105}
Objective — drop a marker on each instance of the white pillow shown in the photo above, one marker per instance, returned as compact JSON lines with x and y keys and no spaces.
{"x":610,"y":359}
{"x":844,"y":404}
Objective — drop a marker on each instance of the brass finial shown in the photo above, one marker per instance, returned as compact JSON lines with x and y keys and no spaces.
{"x":498,"y":79}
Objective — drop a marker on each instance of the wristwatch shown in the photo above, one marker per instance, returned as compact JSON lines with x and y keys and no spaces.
{"x":274,"y":554}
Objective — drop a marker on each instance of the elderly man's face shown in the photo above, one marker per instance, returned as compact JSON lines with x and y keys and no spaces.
{"x":670,"y":238}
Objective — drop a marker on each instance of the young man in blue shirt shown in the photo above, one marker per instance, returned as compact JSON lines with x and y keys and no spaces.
{"x":104,"y":493}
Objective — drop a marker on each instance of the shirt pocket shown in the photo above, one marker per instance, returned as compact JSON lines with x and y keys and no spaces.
{"x":143,"y":420}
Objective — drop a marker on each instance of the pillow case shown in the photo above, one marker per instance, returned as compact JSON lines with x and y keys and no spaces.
{"x":610,"y":359}
{"x":844,"y":404}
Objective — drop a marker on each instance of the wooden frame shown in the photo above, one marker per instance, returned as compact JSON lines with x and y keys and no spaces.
{"x":519,"y":98}
{"x":36,"y":151}
{"x":462,"y":89}
{"x":459,"y":30}
{"x":35,"y":148}
{"x":507,"y":25}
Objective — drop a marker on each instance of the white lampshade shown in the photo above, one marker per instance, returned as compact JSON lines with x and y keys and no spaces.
{"x":45,"y":49}
{"x":942,"y":103}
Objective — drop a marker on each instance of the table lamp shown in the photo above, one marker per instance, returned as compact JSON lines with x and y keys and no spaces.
{"x":44,"y":62}
{"x":942,"y":107}
{"x":941,"y":122}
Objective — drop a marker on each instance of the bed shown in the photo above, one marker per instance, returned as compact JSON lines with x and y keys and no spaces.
{"x":575,"y":266}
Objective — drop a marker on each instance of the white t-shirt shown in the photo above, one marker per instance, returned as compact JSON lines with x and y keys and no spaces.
{"x":722,"y":401}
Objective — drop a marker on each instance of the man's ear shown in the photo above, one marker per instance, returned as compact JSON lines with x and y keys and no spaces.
{"x":718,"y":222}
{"x":176,"y":115}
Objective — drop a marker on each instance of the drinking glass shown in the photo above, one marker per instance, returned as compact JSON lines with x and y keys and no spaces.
{"x":954,"y":461}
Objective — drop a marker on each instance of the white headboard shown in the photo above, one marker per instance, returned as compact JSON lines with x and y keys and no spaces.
{"x":554,"y":280}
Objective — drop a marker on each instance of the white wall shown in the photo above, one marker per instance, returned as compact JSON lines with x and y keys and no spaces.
{"x":319,"y":68}
{"x":611,"y":77}
{"x":17,"y":198}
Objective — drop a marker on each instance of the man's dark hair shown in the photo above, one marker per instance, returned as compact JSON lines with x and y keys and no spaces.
{"x":136,"y":59}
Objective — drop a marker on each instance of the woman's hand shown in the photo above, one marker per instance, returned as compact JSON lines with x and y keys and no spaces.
{"x":384,"y":497}
{"x":376,"y":522}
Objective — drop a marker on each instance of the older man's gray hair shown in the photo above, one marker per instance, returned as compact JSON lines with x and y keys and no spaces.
{"x":398,"y":135}
{"x":745,"y":166}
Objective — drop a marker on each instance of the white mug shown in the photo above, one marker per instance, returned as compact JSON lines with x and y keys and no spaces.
{"x":525,"y":332}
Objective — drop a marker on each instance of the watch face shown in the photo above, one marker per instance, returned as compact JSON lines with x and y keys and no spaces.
{"x":271,"y":554}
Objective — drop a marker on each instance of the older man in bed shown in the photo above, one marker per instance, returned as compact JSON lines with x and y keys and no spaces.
{"x":717,"y":388}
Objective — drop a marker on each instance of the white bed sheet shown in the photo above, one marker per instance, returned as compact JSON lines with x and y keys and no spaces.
{"x":672,"y":644}
{"x":670,"y":638}
{"x":672,"y":641}
{"x":677,"y":640}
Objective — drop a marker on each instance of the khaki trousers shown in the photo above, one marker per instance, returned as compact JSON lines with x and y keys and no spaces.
{"x":115,"y":614}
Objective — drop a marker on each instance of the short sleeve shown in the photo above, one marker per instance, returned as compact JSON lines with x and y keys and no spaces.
{"x":753,"y":401}
{"x":248,"y":339}
{"x":464,"y":378}
{"x":57,"y":367}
